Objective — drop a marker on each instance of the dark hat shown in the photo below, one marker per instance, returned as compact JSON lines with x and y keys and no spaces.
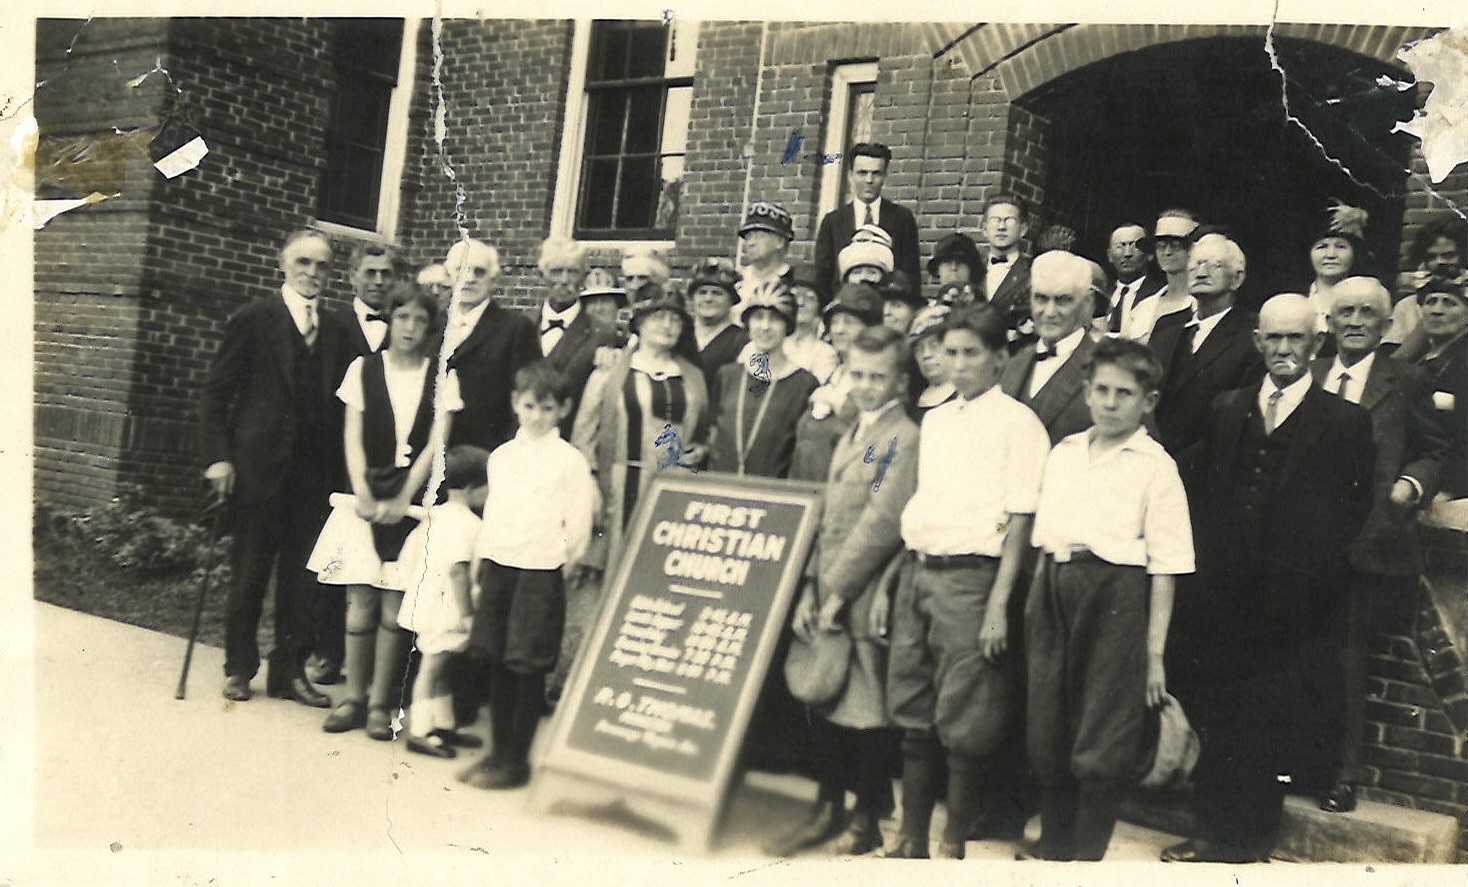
{"x":661,"y":302}
{"x":1345,"y":222}
{"x":816,"y":670}
{"x":716,"y":271}
{"x":770,"y":217}
{"x":805,"y":274}
{"x":859,"y":300}
{"x":1175,"y":750}
{"x":957,"y":247}
{"x":600,"y":282}
{"x":899,"y":286}
{"x":779,"y":300}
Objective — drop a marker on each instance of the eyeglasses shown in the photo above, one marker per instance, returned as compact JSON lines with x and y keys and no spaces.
{"x":1209,"y":265}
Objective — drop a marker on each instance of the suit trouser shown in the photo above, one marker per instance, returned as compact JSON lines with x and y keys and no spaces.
{"x":274,"y":535}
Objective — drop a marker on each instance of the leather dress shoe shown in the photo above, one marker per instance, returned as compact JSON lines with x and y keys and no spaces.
{"x":1034,"y":850}
{"x":320,"y":670}
{"x":826,"y":822}
{"x":950,"y":850}
{"x":237,"y":689}
{"x":862,"y":836}
{"x":348,"y":715}
{"x":498,"y":776}
{"x":1198,"y":850}
{"x":905,"y":848}
{"x":298,"y":689}
{"x":379,"y":724}
{"x":1340,"y":799}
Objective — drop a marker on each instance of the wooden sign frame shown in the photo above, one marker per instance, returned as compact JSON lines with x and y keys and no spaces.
{"x":573,"y":777}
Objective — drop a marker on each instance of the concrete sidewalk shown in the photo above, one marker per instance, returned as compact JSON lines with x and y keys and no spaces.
{"x":123,"y":769}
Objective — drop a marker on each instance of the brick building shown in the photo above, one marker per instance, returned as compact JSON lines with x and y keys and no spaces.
{"x":617,"y":132}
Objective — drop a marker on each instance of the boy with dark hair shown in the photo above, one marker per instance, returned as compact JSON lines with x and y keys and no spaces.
{"x":537,"y":520}
{"x":950,"y":682}
{"x":1113,"y":525}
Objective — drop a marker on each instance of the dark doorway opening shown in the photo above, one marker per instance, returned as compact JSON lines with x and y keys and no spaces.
{"x":1201,"y":124}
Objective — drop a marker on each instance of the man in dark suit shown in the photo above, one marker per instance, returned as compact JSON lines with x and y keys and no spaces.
{"x":569,"y":336}
{"x":1282,"y":485}
{"x":486,"y":344}
{"x":272,"y":432}
{"x":1006,"y":269}
{"x":1130,"y":255}
{"x":1205,"y":353}
{"x":1410,"y":448}
{"x":866,"y":172}
{"x":373,"y":269}
{"x":1049,"y":376}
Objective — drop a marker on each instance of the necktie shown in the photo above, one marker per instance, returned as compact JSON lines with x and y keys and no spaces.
{"x":1271,"y":411}
{"x":869,"y":220}
{"x":554,"y":324}
{"x":1190,"y":333}
{"x":310,"y":333}
{"x":374,"y":317}
{"x":1343,"y":389}
{"x":1114,"y":323}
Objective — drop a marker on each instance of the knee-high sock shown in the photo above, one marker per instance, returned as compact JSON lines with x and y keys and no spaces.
{"x":389,"y":666}
{"x":529,"y":705}
{"x":500,"y":687}
{"x":922,"y":762}
{"x":359,"y":659}
{"x":963,"y":797}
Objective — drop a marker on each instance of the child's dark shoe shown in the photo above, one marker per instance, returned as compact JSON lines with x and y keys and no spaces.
{"x":431,"y":745}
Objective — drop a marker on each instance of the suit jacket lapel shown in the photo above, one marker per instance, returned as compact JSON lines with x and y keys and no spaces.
{"x":571,"y":339}
{"x":876,"y":437}
{"x":1379,"y":382}
{"x":478,"y":334}
{"x":1231,"y":420}
{"x":1063,"y":387}
{"x":1222,"y":340}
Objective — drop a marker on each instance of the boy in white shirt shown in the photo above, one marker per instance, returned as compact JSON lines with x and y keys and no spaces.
{"x":1114,"y":527}
{"x":950,"y":683}
{"x":537,"y":519}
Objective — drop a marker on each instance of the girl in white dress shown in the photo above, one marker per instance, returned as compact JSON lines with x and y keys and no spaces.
{"x":394,"y":426}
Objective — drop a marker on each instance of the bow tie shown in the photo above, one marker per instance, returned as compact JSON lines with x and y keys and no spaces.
{"x":1043,"y":355}
{"x":375,"y":318}
{"x":549,"y":325}
{"x":999,"y":260}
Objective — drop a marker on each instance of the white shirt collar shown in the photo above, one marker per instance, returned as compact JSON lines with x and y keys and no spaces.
{"x":992,"y":393}
{"x":461,"y":315}
{"x":860,"y":207}
{"x":362,"y":309}
{"x":1359,"y":371}
{"x":566,"y":316}
{"x":867,"y":418}
{"x":1291,"y":395}
{"x":1065,"y":347}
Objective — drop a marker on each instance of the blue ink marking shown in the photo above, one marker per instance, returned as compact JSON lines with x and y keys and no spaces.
{"x":670,"y":449}
{"x":759,"y":368}
{"x":883,"y":462}
{"x":824,"y":159}
{"x":792,"y":147}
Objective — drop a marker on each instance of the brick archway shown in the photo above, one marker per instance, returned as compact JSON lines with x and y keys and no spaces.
{"x":1025,"y":60}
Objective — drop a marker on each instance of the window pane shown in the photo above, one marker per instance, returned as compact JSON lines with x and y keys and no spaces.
{"x":368,"y":44}
{"x":863,"y":104}
{"x":608,"y":51}
{"x":643,"y":132}
{"x":598,"y":190}
{"x":638,"y":194}
{"x":361,"y":114}
{"x":350,"y":186}
{"x":675,"y":120}
{"x":604,"y":123}
{"x":649,"y":51}
{"x":671,"y":190}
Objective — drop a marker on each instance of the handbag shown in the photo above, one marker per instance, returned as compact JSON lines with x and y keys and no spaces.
{"x":816,"y":670}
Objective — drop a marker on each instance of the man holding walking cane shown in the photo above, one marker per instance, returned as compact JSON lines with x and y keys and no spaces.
{"x":272,"y":440}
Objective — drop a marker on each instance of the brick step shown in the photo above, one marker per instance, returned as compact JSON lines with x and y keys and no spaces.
{"x":1373,"y":832}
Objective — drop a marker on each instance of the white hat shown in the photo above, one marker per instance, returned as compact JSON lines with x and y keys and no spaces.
{"x":1175,"y":226}
{"x":869,"y":251}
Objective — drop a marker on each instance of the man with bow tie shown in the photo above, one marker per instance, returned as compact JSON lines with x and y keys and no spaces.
{"x":866,"y":173}
{"x":272,"y":438}
{"x":569,"y":336}
{"x":374,"y":267}
{"x":1049,"y":376}
{"x":1205,"y":352}
{"x":1006,"y":269}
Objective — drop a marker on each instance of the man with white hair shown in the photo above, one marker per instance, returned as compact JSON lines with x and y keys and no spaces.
{"x":1410,"y":449}
{"x":1282,"y":485}
{"x":642,"y":268}
{"x":486,"y":344}
{"x":1208,"y":351}
{"x":1049,"y":376}
{"x":569,"y":335}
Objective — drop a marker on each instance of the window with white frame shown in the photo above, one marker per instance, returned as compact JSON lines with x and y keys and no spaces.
{"x":366,"y":134}
{"x":853,"y":99}
{"x":621,"y":171}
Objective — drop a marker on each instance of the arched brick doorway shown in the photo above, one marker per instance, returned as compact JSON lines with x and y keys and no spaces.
{"x":1198,"y":121}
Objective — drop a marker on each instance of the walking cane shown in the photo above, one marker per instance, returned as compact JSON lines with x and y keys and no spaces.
{"x":216,"y":506}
